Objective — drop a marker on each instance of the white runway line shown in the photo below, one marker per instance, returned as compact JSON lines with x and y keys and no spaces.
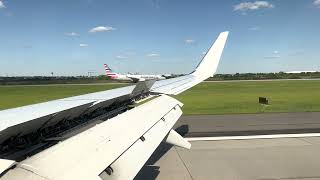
{"x":273,"y":136}
{"x":262,"y":80}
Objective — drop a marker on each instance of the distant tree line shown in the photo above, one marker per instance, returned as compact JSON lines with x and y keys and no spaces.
{"x":264,"y":76}
{"x":30,"y":80}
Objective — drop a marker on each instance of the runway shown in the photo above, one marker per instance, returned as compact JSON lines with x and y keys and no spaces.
{"x":285,"y":157}
{"x":249,"y":124}
{"x":128,"y":83}
{"x":257,"y":159}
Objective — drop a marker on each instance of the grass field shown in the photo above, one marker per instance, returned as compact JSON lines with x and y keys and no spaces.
{"x":206,"y":98}
{"x":242,"y":97}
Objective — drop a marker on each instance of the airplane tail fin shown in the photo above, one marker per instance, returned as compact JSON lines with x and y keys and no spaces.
{"x":109,"y":72}
{"x":208,"y":66}
{"x":107,"y":69}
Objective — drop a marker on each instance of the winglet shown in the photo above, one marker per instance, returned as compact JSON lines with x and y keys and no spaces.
{"x":175,"y":139}
{"x":208,"y":66}
{"x":205,"y":69}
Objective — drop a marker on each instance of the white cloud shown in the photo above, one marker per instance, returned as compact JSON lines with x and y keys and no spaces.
{"x":153,"y":55}
{"x":2,"y":5}
{"x":72,"y":34}
{"x":275,"y":55}
{"x":245,"y":6}
{"x":254,"y":28}
{"x":83,"y":45}
{"x":189,"y":41}
{"x":316,"y":3}
{"x":101,"y":29}
{"x":121,"y":57}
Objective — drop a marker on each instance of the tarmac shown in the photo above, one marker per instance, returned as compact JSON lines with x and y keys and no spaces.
{"x":248,"y":124}
{"x":247,"y":159}
{"x":257,"y":159}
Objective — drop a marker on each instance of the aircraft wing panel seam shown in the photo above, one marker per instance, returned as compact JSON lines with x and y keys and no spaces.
{"x":160,"y":119}
{"x":130,"y":162}
{"x":93,"y":143}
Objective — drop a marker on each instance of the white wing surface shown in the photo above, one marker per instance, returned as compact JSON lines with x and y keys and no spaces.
{"x":97,"y":136}
{"x":123,"y":143}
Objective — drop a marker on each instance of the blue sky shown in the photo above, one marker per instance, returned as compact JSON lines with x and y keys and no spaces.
{"x":161,"y":36}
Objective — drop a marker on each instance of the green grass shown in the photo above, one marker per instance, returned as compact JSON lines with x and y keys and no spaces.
{"x":15,"y":96}
{"x":242,"y":97}
{"x":206,"y":98}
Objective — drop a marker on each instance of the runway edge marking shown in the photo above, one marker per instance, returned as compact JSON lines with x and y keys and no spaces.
{"x":273,"y":136}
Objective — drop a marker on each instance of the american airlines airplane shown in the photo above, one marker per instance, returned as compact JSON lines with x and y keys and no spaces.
{"x":130,"y":77}
{"x":97,"y":136}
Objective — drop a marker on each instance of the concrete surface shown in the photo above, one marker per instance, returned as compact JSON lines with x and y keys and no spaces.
{"x":253,"y":159}
{"x":258,"y":159}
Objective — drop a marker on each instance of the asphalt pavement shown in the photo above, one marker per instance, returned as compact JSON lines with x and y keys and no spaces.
{"x":248,"y":124}
{"x":295,"y":158}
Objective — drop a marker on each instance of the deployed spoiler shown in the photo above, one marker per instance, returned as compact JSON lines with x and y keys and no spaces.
{"x":107,"y":139}
{"x":44,"y":118}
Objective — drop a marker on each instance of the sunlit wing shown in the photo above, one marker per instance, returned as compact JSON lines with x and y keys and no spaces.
{"x":98,"y":135}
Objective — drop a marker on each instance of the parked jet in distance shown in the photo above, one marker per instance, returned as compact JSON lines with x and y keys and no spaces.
{"x":115,"y":76}
{"x":131,"y":77}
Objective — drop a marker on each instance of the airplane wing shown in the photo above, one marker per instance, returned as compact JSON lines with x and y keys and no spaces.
{"x":134,"y":79}
{"x":98,"y":135}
